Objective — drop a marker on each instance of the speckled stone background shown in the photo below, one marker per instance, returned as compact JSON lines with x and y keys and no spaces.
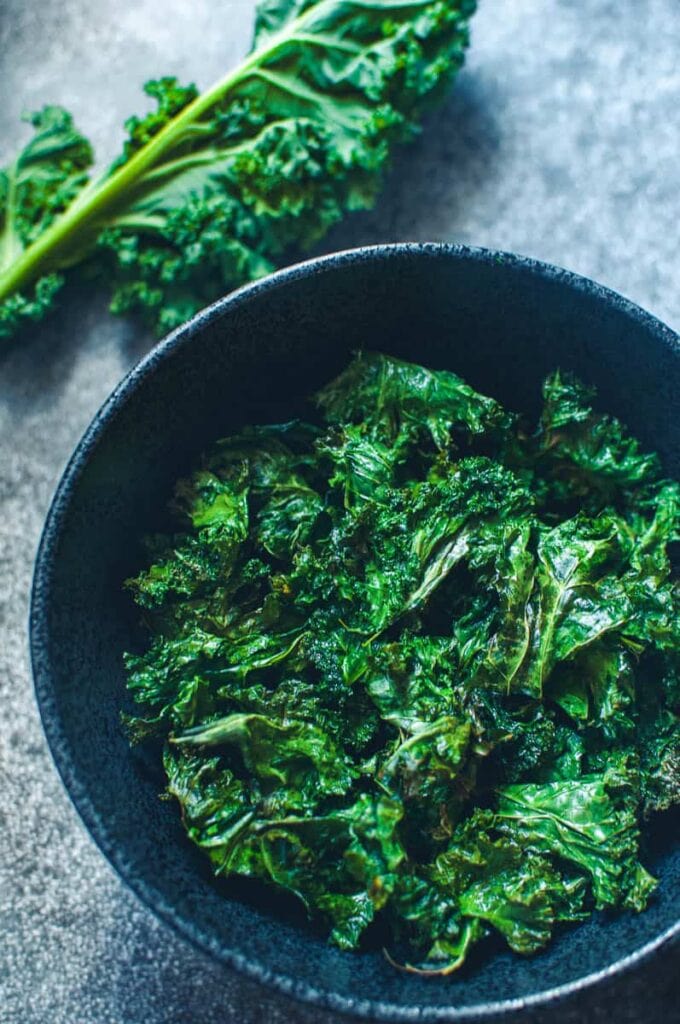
{"x":561,"y":140}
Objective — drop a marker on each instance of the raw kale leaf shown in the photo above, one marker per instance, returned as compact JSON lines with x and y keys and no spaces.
{"x":214,"y":188}
{"x":416,"y":665}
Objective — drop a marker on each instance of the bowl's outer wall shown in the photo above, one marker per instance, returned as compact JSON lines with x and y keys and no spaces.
{"x":502,"y":323}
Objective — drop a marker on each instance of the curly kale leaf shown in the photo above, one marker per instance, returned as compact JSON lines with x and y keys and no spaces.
{"x":384,"y":562}
{"x":483,"y":881}
{"x":526,"y":739}
{"x":342,"y":865}
{"x":216,"y":512}
{"x":501,"y":883}
{"x":433,"y":773}
{"x":583,"y":459}
{"x":46,"y":178}
{"x":426,"y":922}
{"x":180,"y":679}
{"x":572,"y":596}
{"x":587,"y":823}
{"x":399,"y":402}
{"x":364,"y":467}
{"x":580,"y":595}
{"x":452,"y":519}
{"x":597,"y":689}
{"x":213,"y":188}
{"x":412,"y":681}
{"x":297,"y":757}
{"x":658,"y":732}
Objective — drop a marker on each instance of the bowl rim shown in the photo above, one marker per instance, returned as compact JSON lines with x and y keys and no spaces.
{"x":39,"y":632}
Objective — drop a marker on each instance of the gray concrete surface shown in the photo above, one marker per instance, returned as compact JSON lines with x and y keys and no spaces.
{"x":561,"y":141}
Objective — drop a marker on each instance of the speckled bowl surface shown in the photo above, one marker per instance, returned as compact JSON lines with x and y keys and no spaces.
{"x":500,"y":321}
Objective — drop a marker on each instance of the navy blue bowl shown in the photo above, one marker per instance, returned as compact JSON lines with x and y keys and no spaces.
{"x":502,"y":322}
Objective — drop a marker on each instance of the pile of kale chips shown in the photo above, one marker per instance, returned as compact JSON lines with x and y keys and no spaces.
{"x":418,"y":665}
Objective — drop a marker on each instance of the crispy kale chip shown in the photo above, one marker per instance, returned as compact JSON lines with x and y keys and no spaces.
{"x":417,"y":666}
{"x":214,"y":188}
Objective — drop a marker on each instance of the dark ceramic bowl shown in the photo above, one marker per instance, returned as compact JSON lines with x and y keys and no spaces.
{"x":500,"y":321}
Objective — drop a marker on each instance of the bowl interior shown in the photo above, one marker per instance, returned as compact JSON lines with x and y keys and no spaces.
{"x":502,"y":323}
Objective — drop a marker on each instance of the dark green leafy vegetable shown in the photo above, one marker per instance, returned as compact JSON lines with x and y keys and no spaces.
{"x":419,"y":668}
{"x":578,"y":820}
{"x":213,"y":189}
